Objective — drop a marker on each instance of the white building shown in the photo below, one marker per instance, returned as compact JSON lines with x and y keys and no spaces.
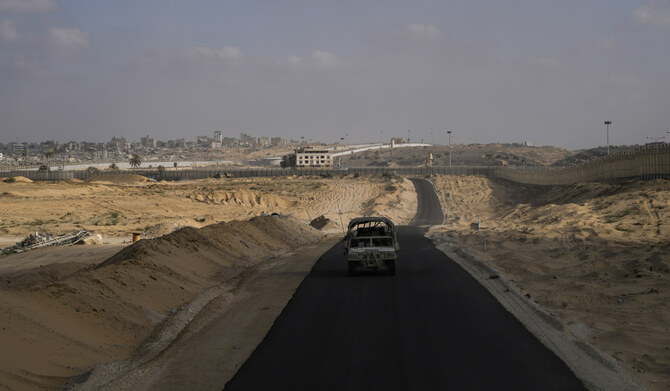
{"x":1,"y":156}
{"x":310,"y":157}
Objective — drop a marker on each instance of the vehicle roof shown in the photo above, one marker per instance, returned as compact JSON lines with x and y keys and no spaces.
{"x":362,"y":220}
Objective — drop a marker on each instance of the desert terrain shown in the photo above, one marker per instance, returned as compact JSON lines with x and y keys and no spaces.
{"x":117,"y":205}
{"x":67,"y":310}
{"x":595,"y":255}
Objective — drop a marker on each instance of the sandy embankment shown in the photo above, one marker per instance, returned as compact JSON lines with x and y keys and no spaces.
{"x":64,"y":310}
{"x":60,"y":319}
{"x":595,"y":255}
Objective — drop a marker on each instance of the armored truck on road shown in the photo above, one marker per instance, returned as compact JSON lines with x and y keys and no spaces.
{"x":371,"y":245}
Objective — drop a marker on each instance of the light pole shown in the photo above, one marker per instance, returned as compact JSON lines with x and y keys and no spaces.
{"x":408,"y":137}
{"x":449,"y":133}
{"x":607,"y":124}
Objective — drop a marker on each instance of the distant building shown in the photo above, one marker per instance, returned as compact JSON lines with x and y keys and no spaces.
{"x":201,"y":140}
{"x":216,"y":145}
{"x":277,"y":142}
{"x":178,"y":143}
{"x":118,"y":143}
{"x":230,"y":142}
{"x":529,"y":143}
{"x":247,"y":140}
{"x":218,"y":137}
{"x":264,"y":141}
{"x":16,"y":149}
{"x":148,"y":142}
{"x":2,"y":157}
{"x":310,"y":157}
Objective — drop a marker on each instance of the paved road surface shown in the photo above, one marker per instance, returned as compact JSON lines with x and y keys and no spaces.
{"x":430,"y":327}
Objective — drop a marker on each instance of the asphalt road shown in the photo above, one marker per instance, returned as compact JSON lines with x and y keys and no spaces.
{"x":430,"y":327}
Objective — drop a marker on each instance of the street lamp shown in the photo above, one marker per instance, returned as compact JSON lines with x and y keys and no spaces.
{"x":449,"y":133}
{"x":607,"y":124}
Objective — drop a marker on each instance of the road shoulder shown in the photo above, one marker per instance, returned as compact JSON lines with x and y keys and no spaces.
{"x":595,"y":369}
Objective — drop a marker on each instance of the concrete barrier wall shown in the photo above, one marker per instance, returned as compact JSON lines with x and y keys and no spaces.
{"x":643,"y":164}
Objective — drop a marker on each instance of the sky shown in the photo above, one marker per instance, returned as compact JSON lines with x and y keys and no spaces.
{"x":547,"y":72}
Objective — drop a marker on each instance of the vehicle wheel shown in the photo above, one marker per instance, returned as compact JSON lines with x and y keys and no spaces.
{"x":391,"y":268}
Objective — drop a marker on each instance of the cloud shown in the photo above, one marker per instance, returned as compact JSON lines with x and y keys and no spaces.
{"x":325,"y":60}
{"x":26,"y":6}
{"x":206,"y":53}
{"x":656,"y":13}
{"x":8,"y":32}
{"x":68,"y":37}
{"x":424,"y":30}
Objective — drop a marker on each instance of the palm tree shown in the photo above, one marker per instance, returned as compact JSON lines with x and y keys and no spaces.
{"x":135,"y":161}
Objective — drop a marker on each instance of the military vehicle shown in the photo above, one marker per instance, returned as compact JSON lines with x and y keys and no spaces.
{"x":371,"y":245}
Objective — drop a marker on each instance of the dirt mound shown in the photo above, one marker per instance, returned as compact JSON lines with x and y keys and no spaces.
{"x":17,"y":179}
{"x":73,"y":181}
{"x":236,"y":241}
{"x":89,"y":315}
{"x":161,"y":229}
{"x":240,"y":198}
{"x":118,"y":179}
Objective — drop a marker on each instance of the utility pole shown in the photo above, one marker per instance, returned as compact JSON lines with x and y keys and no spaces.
{"x":607,"y":124}
{"x":449,"y":133}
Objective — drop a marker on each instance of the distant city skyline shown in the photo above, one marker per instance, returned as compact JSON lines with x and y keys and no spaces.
{"x":546,"y":72}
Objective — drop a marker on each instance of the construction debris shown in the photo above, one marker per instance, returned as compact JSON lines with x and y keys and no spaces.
{"x":320,"y":222}
{"x":45,"y":239}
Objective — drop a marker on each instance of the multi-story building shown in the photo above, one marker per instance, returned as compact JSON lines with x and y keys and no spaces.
{"x":310,"y":157}
{"x":231,"y":142}
{"x":16,"y":149}
{"x":148,"y":142}
{"x":118,"y":143}
{"x":247,"y":140}
{"x":218,"y":137}
{"x":277,"y":142}
{"x":264,"y":141}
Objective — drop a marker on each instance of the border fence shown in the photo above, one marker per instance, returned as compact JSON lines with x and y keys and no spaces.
{"x":645,"y":163}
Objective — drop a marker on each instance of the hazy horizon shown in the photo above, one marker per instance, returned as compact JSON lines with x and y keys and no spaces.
{"x":545,"y":72}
